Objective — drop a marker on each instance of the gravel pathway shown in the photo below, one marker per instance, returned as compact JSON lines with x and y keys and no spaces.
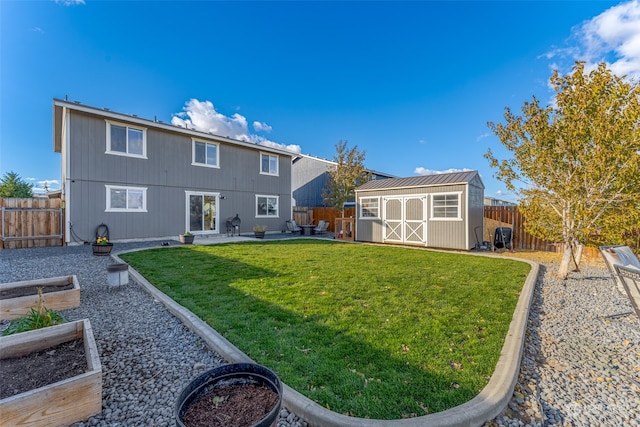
{"x":581,"y":364}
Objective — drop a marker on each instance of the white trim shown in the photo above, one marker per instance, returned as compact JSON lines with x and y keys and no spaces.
{"x":378,"y":216}
{"x":277,"y":206}
{"x":458,"y":218}
{"x":187,"y":225}
{"x":105,"y":113}
{"x":277,"y":173}
{"x":108,"y":189}
{"x":193,"y":153}
{"x":127,"y":127}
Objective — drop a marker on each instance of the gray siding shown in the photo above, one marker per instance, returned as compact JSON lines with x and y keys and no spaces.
{"x":309,"y":179}
{"x":167,"y":174}
{"x":451,"y":234}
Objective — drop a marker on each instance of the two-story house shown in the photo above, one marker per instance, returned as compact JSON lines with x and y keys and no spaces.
{"x":146,"y":179}
{"x":310,"y":176}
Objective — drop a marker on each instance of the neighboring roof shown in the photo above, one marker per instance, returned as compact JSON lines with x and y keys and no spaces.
{"x":58,"y":104}
{"x":331,"y":162}
{"x":421,"y":181}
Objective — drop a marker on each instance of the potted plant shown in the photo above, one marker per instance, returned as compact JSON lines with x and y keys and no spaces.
{"x":186,"y":238}
{"x":102,"y":246}
{"x":238,"y":394}
{"x":259,"y":231}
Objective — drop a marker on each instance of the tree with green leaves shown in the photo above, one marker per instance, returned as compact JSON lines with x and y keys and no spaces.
{"x":13,"y":186}
{"x":348,"y":174}
{"x":576,"y":164}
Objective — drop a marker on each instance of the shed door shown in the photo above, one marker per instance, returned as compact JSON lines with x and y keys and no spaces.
{"x":392,"y":219}
{"x":404,"y":219}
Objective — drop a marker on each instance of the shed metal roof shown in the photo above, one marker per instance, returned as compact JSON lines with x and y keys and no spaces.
{"x":420,"y":181}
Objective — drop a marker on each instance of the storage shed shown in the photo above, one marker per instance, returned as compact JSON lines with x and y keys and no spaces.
{"x":439,"y":211}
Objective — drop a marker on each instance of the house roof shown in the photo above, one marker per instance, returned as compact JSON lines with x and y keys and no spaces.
{"x":333,"y":163}
{"x":59,"y":104}
{"x":421,"y":181}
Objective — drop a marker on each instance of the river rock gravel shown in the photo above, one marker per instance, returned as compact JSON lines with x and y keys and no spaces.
{"x":580,"y":366}
{"x":147,"y":355}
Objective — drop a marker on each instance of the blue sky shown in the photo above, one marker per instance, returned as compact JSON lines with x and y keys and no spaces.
{"x":411,"y":83}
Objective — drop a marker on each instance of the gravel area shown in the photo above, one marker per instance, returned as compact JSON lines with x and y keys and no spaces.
{"x":581,"y":364}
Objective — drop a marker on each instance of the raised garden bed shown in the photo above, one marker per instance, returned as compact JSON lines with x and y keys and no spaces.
{"x":65,"y":401}
{"x":17,"y":298}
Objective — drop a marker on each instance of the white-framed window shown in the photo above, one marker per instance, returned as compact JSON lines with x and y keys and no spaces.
{"x":126,"y":140}
{"x":446,"y":206}
{"x":202,"y":212}
{"x":369,"y":207}
{"x":267,"y":206}
{"x":268,"y":164}
{"x":205,"y":154}
{"x":126,"y":199}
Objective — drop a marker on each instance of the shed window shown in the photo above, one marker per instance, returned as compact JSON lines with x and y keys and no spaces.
{"x":369,"y":207}
{"x":445,"y":206}
{"x":126,"y":140}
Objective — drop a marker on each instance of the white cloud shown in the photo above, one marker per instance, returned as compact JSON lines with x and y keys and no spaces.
{"x":612,"y":37}
{"x":261,"y":126}
{"x":423,"y":171}
{"x":202,"y":116}
{"x":483,"y":136}
{"x":69,"y":2}
{"x":37,"y":30}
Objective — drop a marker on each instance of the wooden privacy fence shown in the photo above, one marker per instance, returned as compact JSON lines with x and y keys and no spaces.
{"x":303,"y":215}
{"x":28,"y":223}
{"x":511,"y":217}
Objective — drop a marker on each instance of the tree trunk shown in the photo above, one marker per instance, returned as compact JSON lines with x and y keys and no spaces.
{"x":563,"y":271}
{"x":578,"y":256}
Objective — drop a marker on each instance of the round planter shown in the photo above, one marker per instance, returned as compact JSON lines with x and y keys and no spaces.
{"x":259,"y":234}
{"x":186,"y":239}
{"x":235,"y":374}
{"x":102,"y":250}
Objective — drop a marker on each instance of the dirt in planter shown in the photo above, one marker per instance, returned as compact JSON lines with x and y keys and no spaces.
{"x":34,"y":370}
{"x":33,"y":290}
{"x":239,"y":405}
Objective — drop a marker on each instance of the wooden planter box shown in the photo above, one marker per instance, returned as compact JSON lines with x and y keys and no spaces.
{"x":58,"y":404}
{"x":56,"y":295}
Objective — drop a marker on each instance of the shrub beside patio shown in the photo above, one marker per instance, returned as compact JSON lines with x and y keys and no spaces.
{"x":370,"y":331}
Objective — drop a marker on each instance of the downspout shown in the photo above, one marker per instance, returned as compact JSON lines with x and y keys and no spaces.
{"x":64,"y":150}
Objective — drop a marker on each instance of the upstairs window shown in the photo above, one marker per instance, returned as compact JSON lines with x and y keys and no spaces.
{"x":268,"y":164}
{"x":205,"y":154}
{"x":126,"y":199}
{"x":126,"y":140}
{"x":445,"y":206}
{"x":369,"y":207}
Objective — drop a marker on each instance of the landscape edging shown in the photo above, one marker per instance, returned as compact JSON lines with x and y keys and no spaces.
{"x":485,"y":406}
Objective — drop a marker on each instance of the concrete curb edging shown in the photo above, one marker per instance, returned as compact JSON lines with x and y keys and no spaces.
{"x":484,"y":407}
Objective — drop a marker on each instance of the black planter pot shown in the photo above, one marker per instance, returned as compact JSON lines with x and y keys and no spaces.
{"x":223,"y":376}
{"x":101,"y":250}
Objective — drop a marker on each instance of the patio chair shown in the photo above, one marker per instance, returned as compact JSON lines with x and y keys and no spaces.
{"x":630,"y":278}
{"x":618,"y":255}
{"x":322,"y":227}
{"x":293,"y":227}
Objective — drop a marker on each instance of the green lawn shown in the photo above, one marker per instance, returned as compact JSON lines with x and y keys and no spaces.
{"x":370,"y":331}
